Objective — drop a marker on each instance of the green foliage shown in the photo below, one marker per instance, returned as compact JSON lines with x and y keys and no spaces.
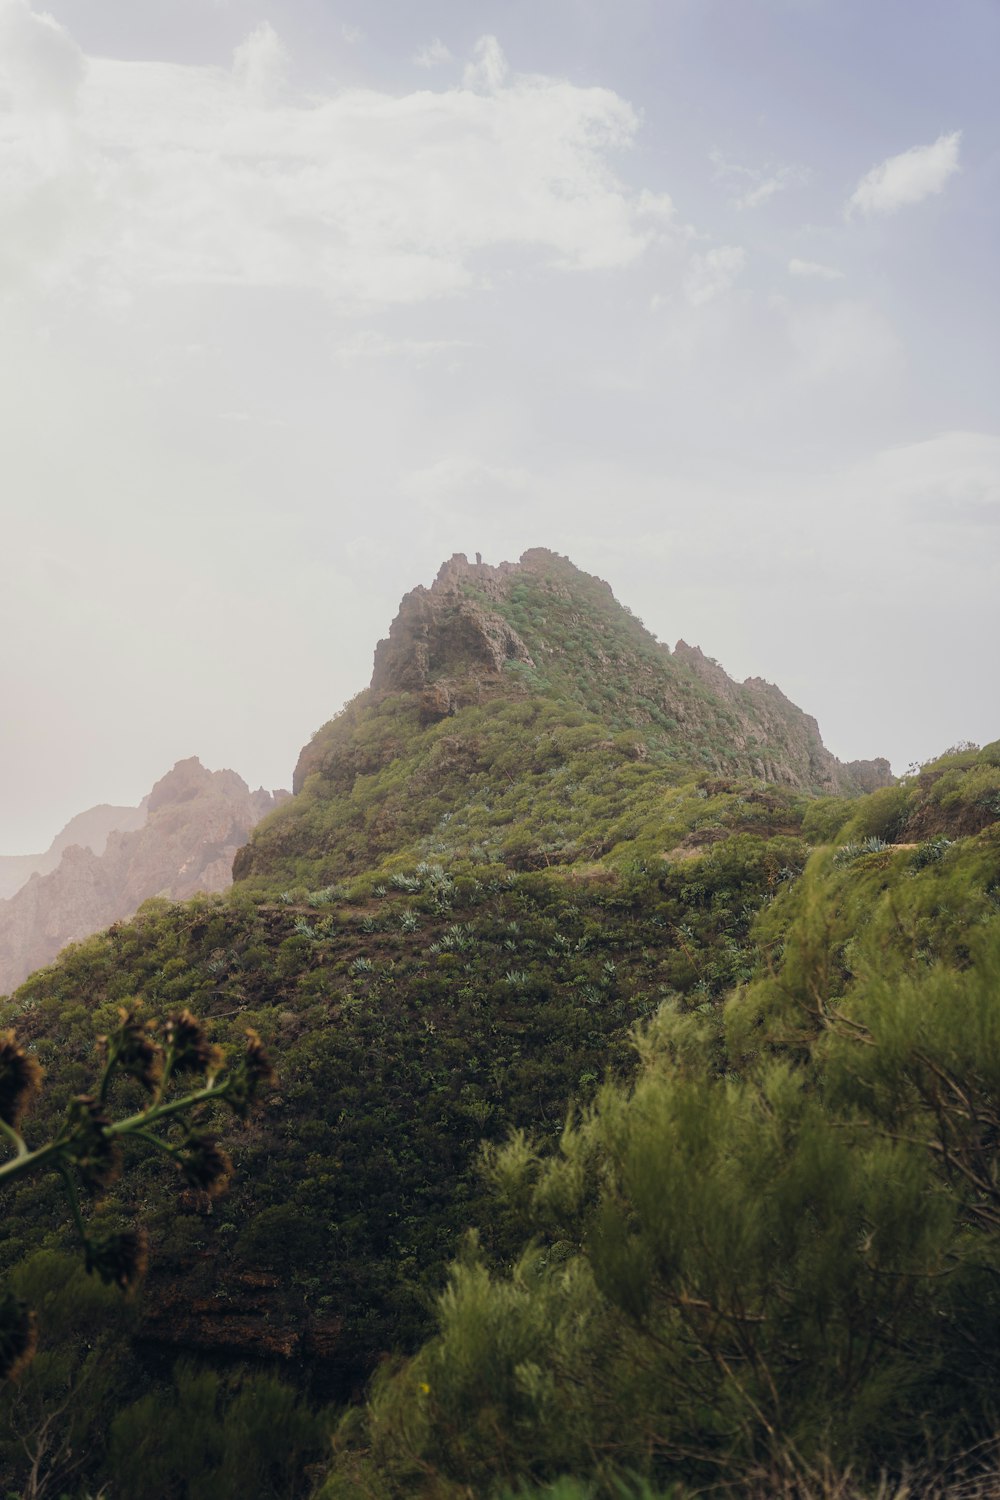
{"x":215,"y":1437}
{"x":825,"y":818}
{"x":881,"y":815}
{"x":401,"y":1047}
{"x":54,"y":1417}
{"x":744,"y":1241}
{"x":778,"y":1247}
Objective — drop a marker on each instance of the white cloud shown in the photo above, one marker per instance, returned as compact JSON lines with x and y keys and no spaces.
{"x":433,"y":54}
{"x":907,"y":178}
{"x":713,"y":274}
{"x":260,"y":64}
{"x":488,"y":69}
{"x":194,"y":175}
{"x":757,"y":184}
{"x":352,"y":34}
{"x":41,"y":67}
{"x":659,"y":208}
{"x":815,"y":269}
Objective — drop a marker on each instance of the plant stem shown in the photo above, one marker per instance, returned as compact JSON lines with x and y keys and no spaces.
{"x":30,"y":1161}
{"x":109,"y":1068}
{"x":15,"y":1140}
{"x":161,"y":1111}
{"x":153,"y":1140}
{"x":74,"y":1201}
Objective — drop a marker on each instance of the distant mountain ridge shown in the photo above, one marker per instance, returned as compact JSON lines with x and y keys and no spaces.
{"x":180,"y":840}
{"x":89,"y":829}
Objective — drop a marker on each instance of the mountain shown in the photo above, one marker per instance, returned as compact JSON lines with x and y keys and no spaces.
{"x":534,"y":824}
{"x":89,"y":829}
{"x":181,"y":839}
{"x":519,"y":713}
{"x":535,"y":828}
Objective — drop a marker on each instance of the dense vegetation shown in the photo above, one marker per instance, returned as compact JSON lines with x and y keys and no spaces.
{"x":410,"y":1021}
{"x":777,"y":1246}
{"x":729,"y":1048}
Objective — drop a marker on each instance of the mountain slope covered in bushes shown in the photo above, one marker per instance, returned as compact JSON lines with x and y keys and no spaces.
{"x":538,"y":839}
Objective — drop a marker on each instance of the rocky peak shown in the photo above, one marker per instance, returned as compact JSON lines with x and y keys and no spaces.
{"x":189,"y":779}
{"x":195,"y":821}
{"x":445,"y":640}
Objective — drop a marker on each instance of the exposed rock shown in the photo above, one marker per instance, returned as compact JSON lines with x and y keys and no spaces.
{"x":763,"y":713}
{"x":89,"y":829}
{"x":445,"y":646}
{"x":195,"y":821}
{"x":233,"y":1320}
{"x":441,"y":633}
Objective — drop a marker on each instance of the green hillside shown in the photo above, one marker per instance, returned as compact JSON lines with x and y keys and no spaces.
{"x":537,"y":831}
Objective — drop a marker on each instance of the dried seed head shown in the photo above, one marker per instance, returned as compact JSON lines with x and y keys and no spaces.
{"x":96,"y":1155}
{"x":205,"y":1165}
{"x":193,"y":1052}
{"x":119,"y":1259}
{"x":134,"y":1050}
{"x":258,"y":1064}
{"x":20,"y":1078}
{"x":253,"y":1069}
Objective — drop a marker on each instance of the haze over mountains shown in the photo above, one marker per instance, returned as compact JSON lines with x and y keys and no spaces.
{"x":180,"y":839}
{"x":519,"y":720}
{"x":89,"y":829}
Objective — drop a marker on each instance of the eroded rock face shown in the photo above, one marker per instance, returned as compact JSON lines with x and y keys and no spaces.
{"x":441,"y":633}
{"x":195,"y":821}
{"x":444,"y":646}
{"x":89,"y":829}
{"x":762,"y":712}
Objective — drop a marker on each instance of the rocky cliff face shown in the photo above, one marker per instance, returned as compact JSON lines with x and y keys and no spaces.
{"x":795,"y":754}
{"x":461,"y":642}
{"x":194,"y":822}
{"x":89,"y":829}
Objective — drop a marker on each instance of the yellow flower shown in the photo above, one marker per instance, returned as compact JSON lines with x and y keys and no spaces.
{"x":424,"y":1388}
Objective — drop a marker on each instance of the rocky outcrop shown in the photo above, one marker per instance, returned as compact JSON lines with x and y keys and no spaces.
{"x":89,"y":829}
{"x":195,"y":821}
{"x":441,"y":633}
{"x":447,"y":646}
{"x":796,"y":755}
{"x":243,"y":1315}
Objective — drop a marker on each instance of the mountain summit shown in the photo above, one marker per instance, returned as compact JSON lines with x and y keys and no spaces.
{"x":527,"y":687}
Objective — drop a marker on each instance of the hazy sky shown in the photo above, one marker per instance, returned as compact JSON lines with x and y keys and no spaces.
{"x":297,"y":299}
